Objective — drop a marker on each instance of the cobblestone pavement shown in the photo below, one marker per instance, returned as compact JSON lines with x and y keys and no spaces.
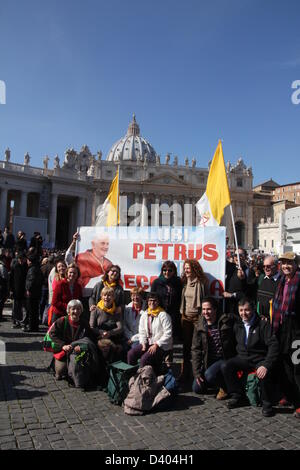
{"x":37,"y":412}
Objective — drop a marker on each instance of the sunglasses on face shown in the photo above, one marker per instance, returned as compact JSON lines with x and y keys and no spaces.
{"x":167,"y":270}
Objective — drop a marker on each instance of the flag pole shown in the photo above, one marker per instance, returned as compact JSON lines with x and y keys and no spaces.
{"x":118,"y":196}
{"x":235,"y":238}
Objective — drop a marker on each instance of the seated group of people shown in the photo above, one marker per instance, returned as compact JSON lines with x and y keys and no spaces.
{"x":221,"y":345}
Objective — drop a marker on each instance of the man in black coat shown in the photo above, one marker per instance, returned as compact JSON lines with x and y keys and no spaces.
{"x":257,"y":349}
{"x":267,"y":287}
{"x":239,"y":282}
{"x":21,"y":243}
{"x":213,"y":343}
{"x":33,"y":286}
{"x":8,"y":239}
{"x":17,"y":286}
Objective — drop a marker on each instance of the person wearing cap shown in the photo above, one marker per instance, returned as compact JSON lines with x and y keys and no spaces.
{"x":286,"y":326}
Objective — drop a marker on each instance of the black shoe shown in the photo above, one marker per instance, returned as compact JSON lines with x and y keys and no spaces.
{"x":16,"y":325}
{"x":26,"y":329}
{"x":267,"y":412}
{"x":235,"y":402}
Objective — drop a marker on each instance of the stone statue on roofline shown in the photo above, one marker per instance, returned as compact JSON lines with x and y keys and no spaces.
{"x":56,"y":162}
{"x":167,"y":159}
{"x":157,"y":159}
{"x":194,"y":163}
{"x":7,"y":155}
{"x":175,"y":162}
{"x":45,"y":162}
{"x":99,"y":153}
{"x":70,"y":159}
{"x":26,"y":158}
{"x":186,"y":161}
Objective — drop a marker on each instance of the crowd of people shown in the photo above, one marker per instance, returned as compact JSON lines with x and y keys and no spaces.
{"x":250,"y":330}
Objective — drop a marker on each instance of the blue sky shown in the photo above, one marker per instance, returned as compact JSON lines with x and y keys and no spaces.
{"x":192,"y":71}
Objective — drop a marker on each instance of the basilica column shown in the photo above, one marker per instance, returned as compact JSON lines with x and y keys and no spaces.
{"x":249,"y":220}
{"x":3,"y":205}
{"x":144,"y":218}
{"x":188,"y":212}
{"x":23,"y":204}
{"x":81,"y":212}
{"x":155,"y":216}
{"x":52,"y":218}
{"x":89,"y":210}
{"x":177,"y":212}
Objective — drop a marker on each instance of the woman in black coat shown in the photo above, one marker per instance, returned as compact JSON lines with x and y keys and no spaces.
{"x":168,"y":287}
{"x":17,"y":286}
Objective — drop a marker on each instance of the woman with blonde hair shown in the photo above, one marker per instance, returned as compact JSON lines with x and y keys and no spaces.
{"x":106,"y":322}
{"x":195,"y":289}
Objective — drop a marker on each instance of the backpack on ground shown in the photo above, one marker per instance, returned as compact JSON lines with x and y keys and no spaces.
{"x":147,"y":392}
{"x":83,"y":367}
{"x":171,"y":385}
{"x":119,"y":375}
{"x":253,"y":389}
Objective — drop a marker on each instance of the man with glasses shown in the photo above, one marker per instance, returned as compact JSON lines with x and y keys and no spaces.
{"x":267,"y":287}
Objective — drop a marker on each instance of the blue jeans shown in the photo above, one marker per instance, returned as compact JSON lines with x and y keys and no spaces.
{"x":213,"y":377}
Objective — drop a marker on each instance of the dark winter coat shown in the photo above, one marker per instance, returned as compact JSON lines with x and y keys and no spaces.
{"x":17,"y":280}
{"x":169,"y":301}
{"x":21,"y":245}
{"x":200,"y":344}
{"x":262,"y":347}
{"x":34,"y":281}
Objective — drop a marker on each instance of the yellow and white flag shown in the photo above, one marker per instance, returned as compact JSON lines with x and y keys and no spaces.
{"x":109,"y":213}
{"x":216,"y":197}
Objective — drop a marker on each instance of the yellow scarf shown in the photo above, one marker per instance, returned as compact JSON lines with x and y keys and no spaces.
{"x":111,"y":310}
{"x":111,"y":284}
{"x":155,"y":312}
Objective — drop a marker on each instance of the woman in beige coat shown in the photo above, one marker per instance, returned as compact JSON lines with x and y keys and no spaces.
{"x":195,"y":289}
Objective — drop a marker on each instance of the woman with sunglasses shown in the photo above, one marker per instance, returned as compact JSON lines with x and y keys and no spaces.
{"x":195,"y":289}
{"x":168,"y":287}
{"x":110,"y":279}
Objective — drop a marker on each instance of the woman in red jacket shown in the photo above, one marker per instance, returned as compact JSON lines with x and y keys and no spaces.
{"x":65,"y":290}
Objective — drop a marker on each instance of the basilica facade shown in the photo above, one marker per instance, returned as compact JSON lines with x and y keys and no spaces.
{"x":69,"y":194}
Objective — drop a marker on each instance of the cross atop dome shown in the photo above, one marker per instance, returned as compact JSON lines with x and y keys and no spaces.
{"x":133,"y":128}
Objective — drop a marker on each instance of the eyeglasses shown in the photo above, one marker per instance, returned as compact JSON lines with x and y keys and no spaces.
{"x":268,"y":266}
{"x":167,"y":270}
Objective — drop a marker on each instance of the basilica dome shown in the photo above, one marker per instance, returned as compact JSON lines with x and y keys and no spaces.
{"x":132,"y":147}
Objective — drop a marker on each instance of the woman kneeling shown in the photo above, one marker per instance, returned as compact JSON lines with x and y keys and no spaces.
{"x":64,"y":331}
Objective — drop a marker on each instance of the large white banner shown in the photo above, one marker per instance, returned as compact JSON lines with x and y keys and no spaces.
{"x":141,"y":251}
